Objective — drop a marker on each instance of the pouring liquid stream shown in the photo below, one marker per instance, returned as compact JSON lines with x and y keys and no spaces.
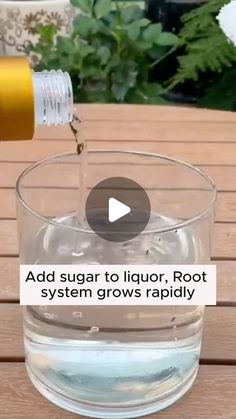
{"x":81,"y":149}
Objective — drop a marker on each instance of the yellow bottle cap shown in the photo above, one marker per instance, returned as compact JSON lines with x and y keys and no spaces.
{"x":16,"y":99}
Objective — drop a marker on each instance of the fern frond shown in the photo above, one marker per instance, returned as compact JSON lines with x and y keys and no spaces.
{"x":207,"y":54}
{"x":206,"y":47}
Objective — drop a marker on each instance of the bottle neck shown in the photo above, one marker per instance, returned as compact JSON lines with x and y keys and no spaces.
{"x":53,"y":98}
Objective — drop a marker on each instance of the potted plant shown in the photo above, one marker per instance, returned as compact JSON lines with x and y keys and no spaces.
{"x":109,"y":53}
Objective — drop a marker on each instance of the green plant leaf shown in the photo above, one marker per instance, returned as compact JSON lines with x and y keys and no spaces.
{"x":155,"y":52}
{"x":143,"y":22}
{"x":146,"y":93}
{"x":102,"y":8}
{"x":131,"y":13}
{"x":134,"y":28}
{"x":144,"y":45}
{"x":85,"y":50}
{"x":152,"y":32}
{"x":112,"y":64}
{"x":89,"y":71}
{"x":65,"y":45}
{"x":152,"y":89}
{"x":123,"y":79}
{"x":47,"y":32}
{"x":119,"y":90}
{"x":100,"y":28}
{"x":133,"y":31}
{"x":167,"y":39}
{"x":104,"y":54}
{"x":95,"y":92}
{"x":83,"y":25}
{"x":84,"y":5}
{"x":65,"y":62}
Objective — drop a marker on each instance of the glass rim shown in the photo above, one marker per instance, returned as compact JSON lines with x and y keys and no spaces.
{"x":80,"y":229}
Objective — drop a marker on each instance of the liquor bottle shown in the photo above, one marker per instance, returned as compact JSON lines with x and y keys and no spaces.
{"x":29,"y":98}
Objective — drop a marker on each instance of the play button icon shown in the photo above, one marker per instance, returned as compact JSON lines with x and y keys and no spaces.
{"x":117,"y":209}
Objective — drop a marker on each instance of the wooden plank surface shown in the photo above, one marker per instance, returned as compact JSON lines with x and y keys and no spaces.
{"x":129,"y":113}
{"x":201,"y":137}
{"x":219,"y":340}
{"x":212,"y":396}
{"x":141,"y":131}
{"x":224,"y":176}
{"x":194,"y":153}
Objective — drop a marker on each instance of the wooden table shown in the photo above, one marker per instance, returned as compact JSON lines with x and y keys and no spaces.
{"x":204,"y":138}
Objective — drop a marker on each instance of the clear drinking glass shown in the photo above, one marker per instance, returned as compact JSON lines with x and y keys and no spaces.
{"x":113,"y":362}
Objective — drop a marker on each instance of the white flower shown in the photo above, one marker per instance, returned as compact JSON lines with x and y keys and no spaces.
{"x":227,"y":20}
